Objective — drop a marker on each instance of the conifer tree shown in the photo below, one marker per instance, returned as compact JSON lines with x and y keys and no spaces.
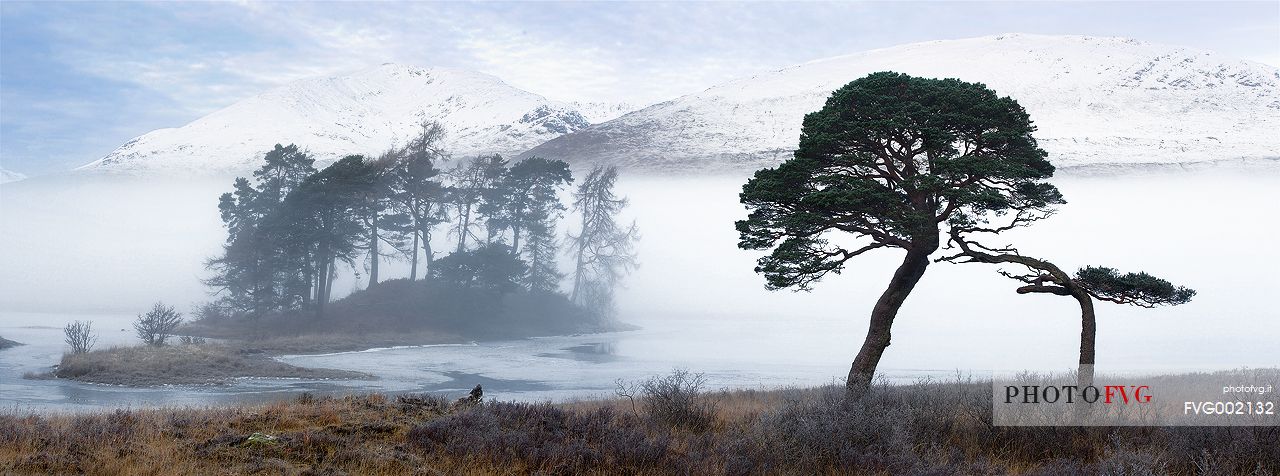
{"x":603,"y":250}
{"x":889,"y":162}
{"x":253,"y":268}
{"x":1041,"y":276}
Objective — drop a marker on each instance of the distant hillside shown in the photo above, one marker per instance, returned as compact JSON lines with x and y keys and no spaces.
{"x":363,"y":113}
{"x":1098,"y":102}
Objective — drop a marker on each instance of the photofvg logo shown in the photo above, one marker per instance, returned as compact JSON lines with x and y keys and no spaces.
{"x":1108,"y":395}
{"x":1243,"y":397}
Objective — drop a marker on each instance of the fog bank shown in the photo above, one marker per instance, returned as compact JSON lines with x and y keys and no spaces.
{"x":116,"y":244}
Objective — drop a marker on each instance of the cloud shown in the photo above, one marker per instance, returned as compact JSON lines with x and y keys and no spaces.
{"x":551,"y":68}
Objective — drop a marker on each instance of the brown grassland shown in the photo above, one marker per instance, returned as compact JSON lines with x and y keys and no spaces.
{"x":662,"y":426}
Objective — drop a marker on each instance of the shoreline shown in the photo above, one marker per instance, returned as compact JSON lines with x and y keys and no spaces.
{"x":226,"y":360}
{"x":182,"y":365}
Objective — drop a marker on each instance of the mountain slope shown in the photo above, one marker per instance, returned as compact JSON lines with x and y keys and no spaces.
{"x":1096,"y":101}
{"x":597,"y":112}
{"x":364,"y":113}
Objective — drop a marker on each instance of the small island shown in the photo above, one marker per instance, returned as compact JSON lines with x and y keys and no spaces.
{"x":193,"y":364}
{"x":6,"y":343}
{"x":293,"y":229}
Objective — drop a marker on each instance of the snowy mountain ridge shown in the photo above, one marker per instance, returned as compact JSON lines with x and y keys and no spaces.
{"x":362,"y":113}
{"x":1098,"y":102}
{"x":1103,"y":104}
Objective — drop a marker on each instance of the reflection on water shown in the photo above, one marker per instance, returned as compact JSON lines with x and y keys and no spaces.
{"x":598,"y":352}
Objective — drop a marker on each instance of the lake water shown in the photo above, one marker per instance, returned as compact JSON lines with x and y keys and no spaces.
{"x":104,"y":250}
{"x":757,"y":354}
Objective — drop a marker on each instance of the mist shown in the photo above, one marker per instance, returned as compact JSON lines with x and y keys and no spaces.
{"x":114,"y":244}
{"x":1197,"y":229}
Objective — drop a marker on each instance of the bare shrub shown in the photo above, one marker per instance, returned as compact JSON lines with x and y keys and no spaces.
{"x":676,"y":400}
{"x":158,"y":324}
{"x":80,"y":336}
{"x":824,"y":430}
{"x":628,"y":390}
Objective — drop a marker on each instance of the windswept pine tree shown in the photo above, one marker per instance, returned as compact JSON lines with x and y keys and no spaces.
{"x":1089,"y":283}
{"x":890,"y":161}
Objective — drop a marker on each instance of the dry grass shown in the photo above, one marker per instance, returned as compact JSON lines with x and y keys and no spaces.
{"x":182,"y":365}
{"x":929,"y":428}
{"x":357,"y":435}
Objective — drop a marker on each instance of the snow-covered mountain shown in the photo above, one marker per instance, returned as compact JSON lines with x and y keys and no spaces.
{"x":597,"y":112}
{"x":7,"y":176}
{"x":362,"y":113}
{"x":1108,"y":102}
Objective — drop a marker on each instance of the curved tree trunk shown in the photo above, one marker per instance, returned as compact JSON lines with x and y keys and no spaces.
{"x":1088,"y":321}
{"x":1088,"y":334}
{"x":1062,"y":285}
{"x":882,"y":315}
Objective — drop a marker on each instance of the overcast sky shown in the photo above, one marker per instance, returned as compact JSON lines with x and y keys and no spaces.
{"x":79,"y":79}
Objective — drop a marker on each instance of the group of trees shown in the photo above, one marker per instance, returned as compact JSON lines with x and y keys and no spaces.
{"x":291,"y":228}
{"x":895,"y":161}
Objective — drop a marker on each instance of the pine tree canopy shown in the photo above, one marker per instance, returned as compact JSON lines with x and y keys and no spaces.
{"x":889,"y":160}
{"x":1140,"y":289}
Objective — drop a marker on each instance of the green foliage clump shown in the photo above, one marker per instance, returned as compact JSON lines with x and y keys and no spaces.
{"x":490,"y":267}
{"x":1140,"y":289}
